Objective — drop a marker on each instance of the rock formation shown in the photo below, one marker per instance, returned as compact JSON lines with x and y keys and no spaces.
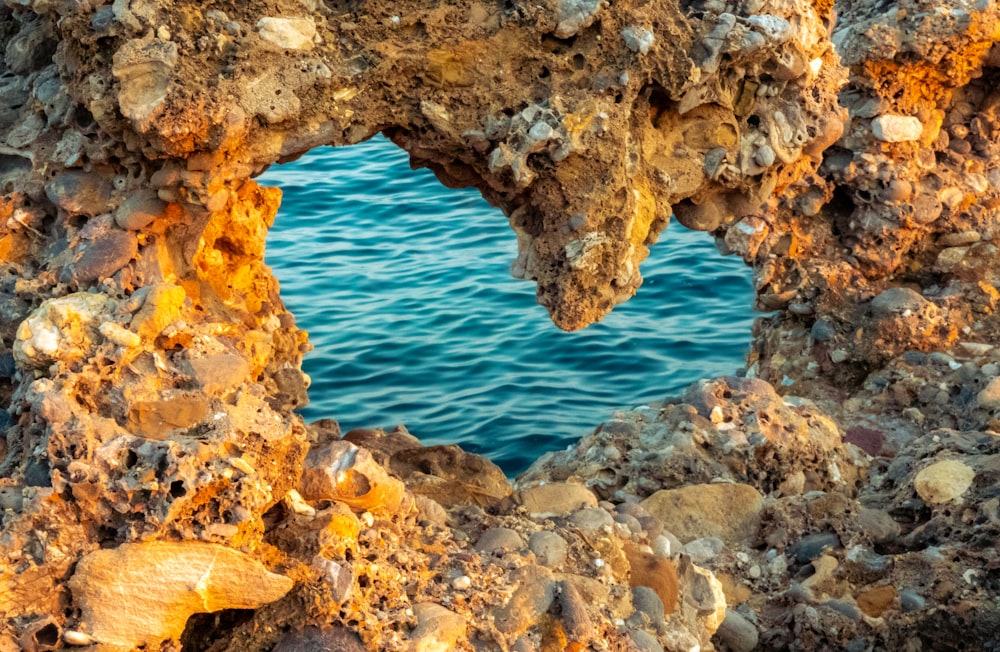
{"x":841,"y":495}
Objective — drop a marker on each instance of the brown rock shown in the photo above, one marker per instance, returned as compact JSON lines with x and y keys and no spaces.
{"x":875,"y":601}
{"x":451,"y":476}
{"x":141,"y":594}
{"x":730,"y":512}
{"x":339,"y":470}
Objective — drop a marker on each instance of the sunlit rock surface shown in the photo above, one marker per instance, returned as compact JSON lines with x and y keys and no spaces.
{"x":149,"y":370}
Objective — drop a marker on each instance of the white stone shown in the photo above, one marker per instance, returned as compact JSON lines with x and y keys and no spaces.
{"x":944,"y":481}
{"x":638,"y":39}
{"x":892,"y":128}
{"x":288,"y":33}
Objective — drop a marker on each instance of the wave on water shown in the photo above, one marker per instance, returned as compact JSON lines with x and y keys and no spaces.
{"x":404,"y":287}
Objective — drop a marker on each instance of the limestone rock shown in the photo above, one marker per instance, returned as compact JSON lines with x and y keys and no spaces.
{"x":730,"y":512}
{"x":144,"y":69}
{"x":141,"y":594}
{"x":288,"y":33}
{"x":556,"y":499}
{"x":64,"y":328}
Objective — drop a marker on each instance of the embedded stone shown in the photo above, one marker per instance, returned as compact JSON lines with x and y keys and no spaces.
{"x":892,"y":128}
{"x":79,"y":193}
{"x":339,"y":470}
{"x":288,"y":33}
{"x":142,"y":594}
{"x":139,"y":210}
{"x":556,"y":499}
{"x":144,"y":69}
{"x":944,"y":481}
{"x":728,"y":511}
{"x":64,"y":328}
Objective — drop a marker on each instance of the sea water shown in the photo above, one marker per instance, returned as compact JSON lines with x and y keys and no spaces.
{"x":404,"y":287}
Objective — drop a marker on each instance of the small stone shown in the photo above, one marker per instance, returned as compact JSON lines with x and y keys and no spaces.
{"x":573,"y":608}
{"x":338,"y":577}
{"x":843,"y":608}
{"x":139,"y":210}
{"x":704,"y":550}
{"x":644,"y":641}
{"x":638,"y":39}
{"x":312,"y":639}
{"x":574,"y":15}
{"x":737,"y":633}
{"x":897,"y":301}
{"x":530,"y":601}
{"x":556,"y":499}
{"x":868,"y":440}
{"x":877,"y":524}
{"x":910,"y":601}
{"x":989,"y":397}
{"x":144,"y":69}
{"x":339,"y":470}
{"x":944,"y":481}
{"x":288,"y":33}
{"x":549,"y":548}
{"x":812,"y":546}
{"x":219,"y":373}
{"x":79,"y":193}
{"x":875,"y":601}
{"x":461,"y":583}
{"x":591,"y":519}
{"x":891,"y":128}
{"x":437,"y":628}
{"x":499,"y":539}
{"x":101,"y":258}
{"x":647,"y":601}
{"x":730,"y":512}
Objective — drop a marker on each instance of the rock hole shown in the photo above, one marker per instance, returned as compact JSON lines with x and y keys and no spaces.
{"x":48,"y":635}
{"x":753,"y":121}
{"x":579,"y":61}
{"x":431,"y":331}
{"x":131,"y":459}
{"x":203,"y":631}
{"x":177,"y":489}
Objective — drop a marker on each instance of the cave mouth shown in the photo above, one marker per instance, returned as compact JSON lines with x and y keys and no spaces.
{"x":405,"y":289}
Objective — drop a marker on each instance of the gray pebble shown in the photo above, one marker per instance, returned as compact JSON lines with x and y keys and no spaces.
{"x":645,"y":642}
{"x":812,"y":546}
{"x":737,"y":633}
{"x":591,"y":519}
{"x":499,"y":538}
{"x":549,"y":548}
{"x":648,"y":601}
{"x":844,"y":608}
{"x":704,"y":549}
{"x":910,"y":601}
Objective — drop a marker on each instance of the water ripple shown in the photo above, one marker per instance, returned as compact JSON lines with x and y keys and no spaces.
{"x":405,"y":290}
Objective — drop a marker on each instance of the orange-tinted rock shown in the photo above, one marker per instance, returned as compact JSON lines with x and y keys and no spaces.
{"x":141,"y":594}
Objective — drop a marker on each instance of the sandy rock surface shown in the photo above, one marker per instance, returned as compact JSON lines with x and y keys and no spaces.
{"x":839,"y":493}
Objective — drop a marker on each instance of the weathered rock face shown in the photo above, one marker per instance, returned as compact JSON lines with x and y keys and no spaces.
{"x":149,"y":371}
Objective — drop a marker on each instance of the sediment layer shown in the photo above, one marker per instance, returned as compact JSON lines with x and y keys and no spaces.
{"x":159,"y":491}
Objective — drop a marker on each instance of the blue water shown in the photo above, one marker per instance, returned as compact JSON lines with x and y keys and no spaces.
{"x":404,"y":287}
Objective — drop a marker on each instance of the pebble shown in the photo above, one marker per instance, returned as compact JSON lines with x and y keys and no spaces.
{"x":704,"y":550}
{"x":943,"y":482}
{"x":437,"y":628}
{"x":79,"y":193}
{"x":897,"y":300}
{"x":874,"y":602}
{"x":989,"y":397}
{"x":910,"y":601}
{"x":499,"y":539}
{"x":288,"y":33}
{"x":638,"y":39}
{"x":737,"y":633}
{"x":644,"y":641}
{"x":139,"y":210}
{"x":549,"y":548}
{"x":843,"y":608}
{"x":647,"y":601}
{"x":591,"y":519}
{"x":891,"y":128}
{"x":877,"y":524}
{"x":812,"y":546}
{"x":529,"y":602}
{"x":556,"y":499}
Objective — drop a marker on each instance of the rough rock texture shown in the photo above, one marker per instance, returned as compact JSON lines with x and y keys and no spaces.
{"x":149,"y":371}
